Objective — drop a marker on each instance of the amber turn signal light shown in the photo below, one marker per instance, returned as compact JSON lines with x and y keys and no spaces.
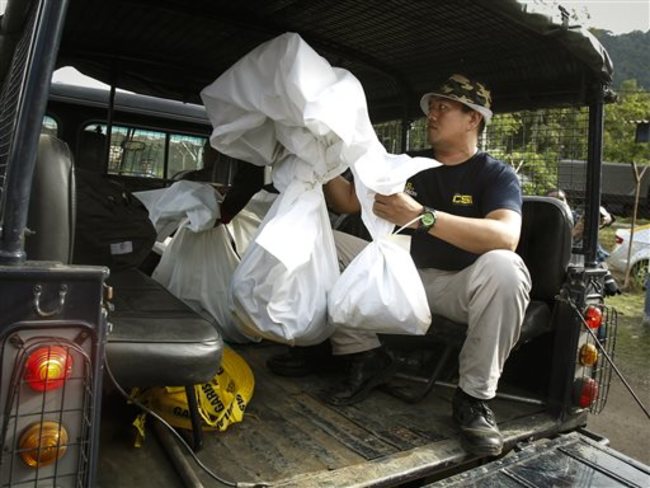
{"x":43,"y":443}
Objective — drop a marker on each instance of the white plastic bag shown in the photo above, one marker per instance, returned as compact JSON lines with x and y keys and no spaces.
{"x":381,"y":290}
{"x":283,"y":105}
{"x":243,"y":227}
{"x":197,"y":264}
{"x":282,"y":296}
{"x":197,"y":268}
{"x":192,"y":200}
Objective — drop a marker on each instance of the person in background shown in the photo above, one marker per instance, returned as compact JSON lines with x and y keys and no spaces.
{"x":606,"y":219}
{"x":610,"y":286}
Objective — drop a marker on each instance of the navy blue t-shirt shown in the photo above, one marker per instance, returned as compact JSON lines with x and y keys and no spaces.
{"x":470,"y":189}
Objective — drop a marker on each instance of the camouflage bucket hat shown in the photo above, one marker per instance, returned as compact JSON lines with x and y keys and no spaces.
{"x":461,"y":89}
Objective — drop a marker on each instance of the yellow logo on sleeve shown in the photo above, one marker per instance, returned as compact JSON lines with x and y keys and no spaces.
{"x":459,"y":199}
{"x":409,"y":189}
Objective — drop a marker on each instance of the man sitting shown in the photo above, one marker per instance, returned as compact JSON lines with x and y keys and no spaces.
{"x":463,"y":246}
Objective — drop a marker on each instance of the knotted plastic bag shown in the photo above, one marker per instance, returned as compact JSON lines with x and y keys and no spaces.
{"x":381,"y":290}
{"x":196,"y":203}
{"x":283,"y":296}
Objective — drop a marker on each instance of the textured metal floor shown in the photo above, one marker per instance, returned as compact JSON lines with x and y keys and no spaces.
{"x":288,"y":431}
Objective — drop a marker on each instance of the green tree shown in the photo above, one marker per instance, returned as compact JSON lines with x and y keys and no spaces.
{"x":620,"y":125}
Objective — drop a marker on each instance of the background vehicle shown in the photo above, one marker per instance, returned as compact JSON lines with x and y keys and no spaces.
{"x":619,"y":185}
{"x":639,"y":257}
{"x":397,"y":50}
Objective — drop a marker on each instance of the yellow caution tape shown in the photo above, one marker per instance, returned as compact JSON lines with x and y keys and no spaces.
{"x":221,"y":402}
{"x":138,"y":423}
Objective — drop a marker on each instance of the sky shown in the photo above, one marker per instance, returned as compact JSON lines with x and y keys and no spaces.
{"x":617,"y":16}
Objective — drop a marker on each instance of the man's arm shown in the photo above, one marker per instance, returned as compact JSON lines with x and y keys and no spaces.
{"x":249,"y":179}
{"x":340,"y":196}
{"x":500,"y":229}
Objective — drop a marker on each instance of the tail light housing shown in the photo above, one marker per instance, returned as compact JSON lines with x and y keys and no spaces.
{"x":51,"y":349}
{"x":585,"y":392}
{"x":588,"y":354}
{"x":593,"y":372}
{"x":619,"y":240}
{"x":43,"y":443}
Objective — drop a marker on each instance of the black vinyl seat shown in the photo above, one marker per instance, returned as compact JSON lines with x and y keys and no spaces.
{"x":545,"y":247}
{"x":52,"y":207}
{"x":156,"y":340}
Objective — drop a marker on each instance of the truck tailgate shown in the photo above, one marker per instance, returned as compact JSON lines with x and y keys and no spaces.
{"x":568,"y":460}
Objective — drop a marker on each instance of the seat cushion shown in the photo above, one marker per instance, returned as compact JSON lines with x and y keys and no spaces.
{"x":156,"y":339}
{"x":545,"y":244}
{"x":52,"y":205}
{"x":536,"y":321}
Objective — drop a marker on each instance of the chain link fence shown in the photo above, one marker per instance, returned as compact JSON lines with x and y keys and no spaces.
{"x":548,"y":151}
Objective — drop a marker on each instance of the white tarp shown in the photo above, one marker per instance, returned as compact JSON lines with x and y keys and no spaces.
{"x":283,"y":105}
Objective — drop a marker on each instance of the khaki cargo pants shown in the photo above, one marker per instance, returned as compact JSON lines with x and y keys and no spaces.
{"x":490,"y":296}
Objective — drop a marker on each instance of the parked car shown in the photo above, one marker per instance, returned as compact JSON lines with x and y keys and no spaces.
{"x":640,"y":256}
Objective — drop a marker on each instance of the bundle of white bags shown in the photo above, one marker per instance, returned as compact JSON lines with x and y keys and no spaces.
{"x":283,"y":105}
{"x":198,"y":262}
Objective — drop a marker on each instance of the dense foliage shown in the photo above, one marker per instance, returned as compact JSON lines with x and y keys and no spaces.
{"x":620,"y":124}
{"x":630,"y":54}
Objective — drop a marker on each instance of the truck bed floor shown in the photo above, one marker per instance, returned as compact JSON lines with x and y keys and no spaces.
{"x":291,"y":437}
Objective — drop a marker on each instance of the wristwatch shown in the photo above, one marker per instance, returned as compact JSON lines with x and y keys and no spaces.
{"x":428,"y":218}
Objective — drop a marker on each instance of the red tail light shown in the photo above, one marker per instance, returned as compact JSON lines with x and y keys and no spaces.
{"x":585,"y":392}
{"x":48,"y":367}
{"x":593,"y":316}
{"x":619,"y":240}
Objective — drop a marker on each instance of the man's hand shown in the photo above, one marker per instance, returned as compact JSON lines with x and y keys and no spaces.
{"x":398,"y":208}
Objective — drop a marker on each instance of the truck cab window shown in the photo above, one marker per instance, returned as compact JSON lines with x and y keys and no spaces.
{"x":148,"y":153}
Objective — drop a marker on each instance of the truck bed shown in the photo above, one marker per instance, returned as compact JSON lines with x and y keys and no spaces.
{"x":290,"y":437}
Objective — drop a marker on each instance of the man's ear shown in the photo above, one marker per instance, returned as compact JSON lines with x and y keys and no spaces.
{"x":475,"y":119}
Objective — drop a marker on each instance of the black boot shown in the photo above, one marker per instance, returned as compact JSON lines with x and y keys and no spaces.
{"x":301,"y":361}
{"x":368,"y":370}
{"x":479,"y":431}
